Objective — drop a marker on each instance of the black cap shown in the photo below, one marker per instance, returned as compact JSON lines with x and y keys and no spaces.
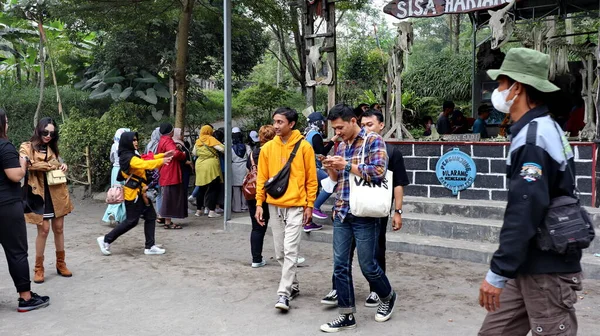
{"x":165,"y":128}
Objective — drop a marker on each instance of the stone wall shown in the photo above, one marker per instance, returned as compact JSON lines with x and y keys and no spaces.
{"x":421,"y":158}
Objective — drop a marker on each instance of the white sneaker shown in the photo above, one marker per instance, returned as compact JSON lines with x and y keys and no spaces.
{"x":191,"y":198}
{"x":154,"y":250}
{"x":104,"y":247}
{"x":198,"y":213}
{"x":206,"y":211}
{"x":300,"y":260}
{"x":213,"y":214}
{"x":219,"y":210}
{"x":260,"y":264}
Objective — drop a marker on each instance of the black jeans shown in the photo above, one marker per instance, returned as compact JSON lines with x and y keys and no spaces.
{"x":257,"y":236}
{"x":134,"y":210}
{"x":13,"y":237}
{"x":210,"y":193}
{"x":381,"y":248}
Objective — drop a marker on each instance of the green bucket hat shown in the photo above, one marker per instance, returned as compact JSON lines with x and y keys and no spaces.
{"x":526,"y":66}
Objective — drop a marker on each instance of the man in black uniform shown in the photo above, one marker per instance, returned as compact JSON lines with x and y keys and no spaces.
{"x":527,"y":288}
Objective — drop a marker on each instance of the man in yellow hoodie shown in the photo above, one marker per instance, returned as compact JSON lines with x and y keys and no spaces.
{"x":293,"y":209}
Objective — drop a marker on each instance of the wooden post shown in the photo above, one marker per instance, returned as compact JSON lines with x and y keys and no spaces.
{"x":332,"y":56}
{"x":309,"y":28}
{"x":88,"y":167}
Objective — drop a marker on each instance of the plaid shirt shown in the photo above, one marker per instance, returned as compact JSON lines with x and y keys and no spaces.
{"x":374,"y":168}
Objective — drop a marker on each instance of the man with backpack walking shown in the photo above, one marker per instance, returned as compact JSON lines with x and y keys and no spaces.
{"x":287,"y":181}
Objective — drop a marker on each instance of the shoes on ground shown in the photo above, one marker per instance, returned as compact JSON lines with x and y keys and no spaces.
{"x":295,"y":291}
{"x":330,"y":299}
{"x":104,"y":247}
{"x":154,"y":250}
{"x":343,"y":322}
{"x":214,"y":214}
{"x":385,"y":309}
{"x":34,"y":303}
{"x":283,"y":303}
{"x":372,"y":300}
{"x":312,"y":227}
{"x":259,"y":264}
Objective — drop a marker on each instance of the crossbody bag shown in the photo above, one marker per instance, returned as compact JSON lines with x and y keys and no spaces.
{"x":277,"y":185}
{"x":567,"y":227}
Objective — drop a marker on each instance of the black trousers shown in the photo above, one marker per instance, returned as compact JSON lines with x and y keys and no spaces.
{"x":13,"y":237}
{"x":257,"y":236}
{"x":210,"y":193}
{"x":134,"y":210}
{"x":381,"y":247}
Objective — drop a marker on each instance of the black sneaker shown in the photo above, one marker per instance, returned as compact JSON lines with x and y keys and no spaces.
{"x":295,"y":292}
{"x":372,"y":300}
{"x":343,"y":322}
{"x":385,"y":310}
{"x":283,"y":303}
{"x":330,"y":299}
{"x":34,"y":303}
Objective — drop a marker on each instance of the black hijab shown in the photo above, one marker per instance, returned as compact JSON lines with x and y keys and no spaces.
{"x":126,"y":150}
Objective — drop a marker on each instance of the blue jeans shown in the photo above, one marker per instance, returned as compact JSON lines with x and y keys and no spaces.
{"x":365,"y":233}
{"x":323,"y":195}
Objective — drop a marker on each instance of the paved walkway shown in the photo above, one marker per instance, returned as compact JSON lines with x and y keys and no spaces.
{"x":204,"y":286}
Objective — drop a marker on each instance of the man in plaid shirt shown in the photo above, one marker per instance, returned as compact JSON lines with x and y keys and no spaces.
{"x":347,"y":227}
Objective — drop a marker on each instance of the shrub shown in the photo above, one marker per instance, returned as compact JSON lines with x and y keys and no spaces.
{"x":80,"y":131}
{"x":21,"y":102}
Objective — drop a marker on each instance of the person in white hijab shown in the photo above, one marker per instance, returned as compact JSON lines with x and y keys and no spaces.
{"x":115,"y":213}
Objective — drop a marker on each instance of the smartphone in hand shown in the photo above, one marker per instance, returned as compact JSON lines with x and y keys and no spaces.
{"x":320,"y":157}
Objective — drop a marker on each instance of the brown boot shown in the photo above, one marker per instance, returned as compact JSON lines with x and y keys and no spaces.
{"x":38,"y":271}
{"x":61,"y":266}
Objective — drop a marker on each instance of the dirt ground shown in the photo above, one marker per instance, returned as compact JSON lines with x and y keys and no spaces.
{"x":204,"y":285}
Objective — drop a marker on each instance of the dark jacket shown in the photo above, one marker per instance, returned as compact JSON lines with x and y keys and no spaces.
{"x":537,"y":171}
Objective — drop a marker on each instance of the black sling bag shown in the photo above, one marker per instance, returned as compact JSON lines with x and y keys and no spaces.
{"x":277,"y":185}
{"x":567,"y":227}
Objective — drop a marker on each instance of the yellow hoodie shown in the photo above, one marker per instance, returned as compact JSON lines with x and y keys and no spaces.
{"x":302,"y":186}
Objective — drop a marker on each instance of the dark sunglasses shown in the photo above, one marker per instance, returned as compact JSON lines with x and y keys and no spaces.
{"x":48,"y":133}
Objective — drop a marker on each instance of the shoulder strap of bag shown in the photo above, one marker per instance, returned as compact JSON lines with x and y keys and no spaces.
{"x":212,"y":150}
{"x":293,"y":155}
{"x":252,"y":160}
{"x":364,"y":145}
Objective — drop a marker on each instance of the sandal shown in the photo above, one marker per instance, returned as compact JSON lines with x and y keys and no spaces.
{"x":160,"y":220}
{"x":172,"y":226}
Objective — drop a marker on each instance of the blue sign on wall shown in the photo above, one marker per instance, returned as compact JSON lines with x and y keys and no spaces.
{"x":456,"y":171}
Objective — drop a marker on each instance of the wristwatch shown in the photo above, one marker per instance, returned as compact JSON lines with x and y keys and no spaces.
{"x":398,"y":211}
{"x":348,"y":167}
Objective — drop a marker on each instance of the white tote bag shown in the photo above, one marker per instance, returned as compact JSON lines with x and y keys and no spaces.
{"x":368,"y":199}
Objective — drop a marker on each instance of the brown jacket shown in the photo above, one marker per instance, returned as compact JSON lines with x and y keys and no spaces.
{"x":40,"y":165}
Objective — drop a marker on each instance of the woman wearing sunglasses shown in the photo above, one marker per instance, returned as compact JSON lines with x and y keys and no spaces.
{"x":42,"y":152}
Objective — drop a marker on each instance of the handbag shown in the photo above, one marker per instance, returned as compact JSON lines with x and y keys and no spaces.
{"x":249,"y":183}
{"x":367,"y":198}
{"x":32,"y":203}
{"x":116,"y":194}
{"x":55,"y":177}
{"x":567,"y":227}
{"x":277,"y":185}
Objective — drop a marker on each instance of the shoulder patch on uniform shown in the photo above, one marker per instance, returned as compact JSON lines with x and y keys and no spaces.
{"x":531,"y":172}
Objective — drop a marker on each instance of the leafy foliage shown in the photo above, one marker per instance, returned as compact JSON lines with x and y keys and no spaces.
{"x":75,"y":136}
{"x":443,"y":76}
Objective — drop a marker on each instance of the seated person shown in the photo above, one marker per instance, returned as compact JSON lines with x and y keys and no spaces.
{"x":427,"y":122}
{"x":480,"y":126}
{"x":459,"y":123}
{"x":443,"y":124}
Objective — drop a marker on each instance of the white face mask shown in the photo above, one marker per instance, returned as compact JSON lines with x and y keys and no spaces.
{"x":499,"y":100}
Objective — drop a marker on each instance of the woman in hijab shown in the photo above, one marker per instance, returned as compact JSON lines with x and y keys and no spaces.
{"x":186,"y":166}
{"x":115,"y":213}
{"x":152,"y":147}
{"x":239,"y":157}
{"x":208,"y":170}
{"x":174,"y":203}
{"x":133,"y":171}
